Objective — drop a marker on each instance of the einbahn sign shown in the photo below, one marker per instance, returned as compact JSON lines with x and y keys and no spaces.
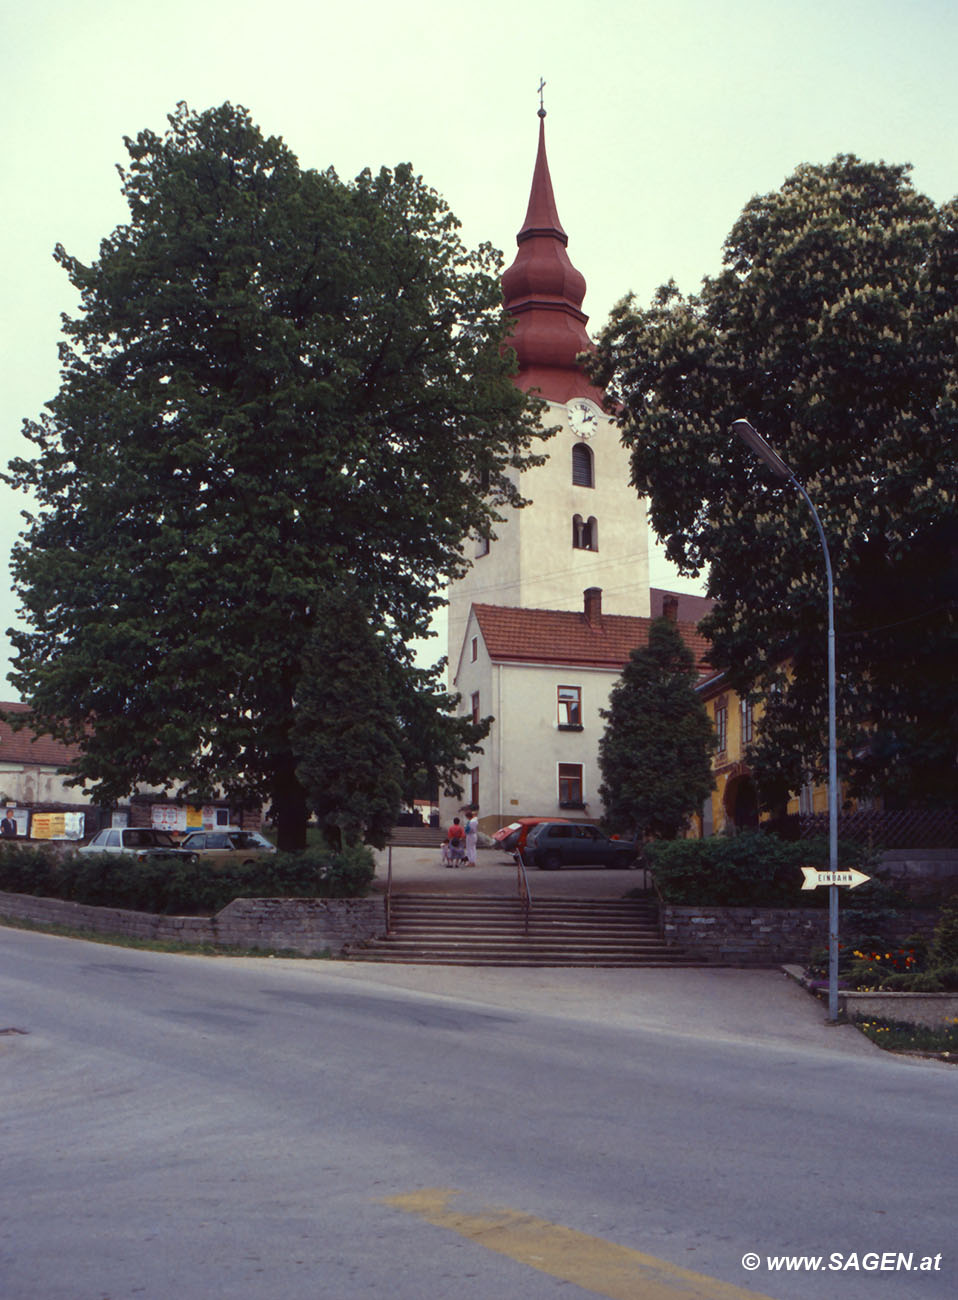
{"x":814,"y":878}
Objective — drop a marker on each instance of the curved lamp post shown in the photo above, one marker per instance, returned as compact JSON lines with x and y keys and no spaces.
{"x":761,"y":448}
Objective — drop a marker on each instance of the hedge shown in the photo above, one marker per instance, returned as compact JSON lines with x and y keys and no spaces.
{"x":751,"y":869}
{"x":173,"y":887}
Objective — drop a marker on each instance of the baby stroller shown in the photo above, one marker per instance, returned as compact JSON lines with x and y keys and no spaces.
{"x":454,"y":852}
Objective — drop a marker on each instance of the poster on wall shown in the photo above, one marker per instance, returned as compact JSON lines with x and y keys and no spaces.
{"x":57,"y":826}
{"x":167,"y":817}
{"x":179,"y":817}
{"x":22,"y":818}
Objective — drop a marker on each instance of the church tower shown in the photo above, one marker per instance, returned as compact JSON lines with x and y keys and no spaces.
{"x":585,"y":528}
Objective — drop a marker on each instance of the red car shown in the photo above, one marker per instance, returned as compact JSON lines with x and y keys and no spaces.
{"x":512,"y":838}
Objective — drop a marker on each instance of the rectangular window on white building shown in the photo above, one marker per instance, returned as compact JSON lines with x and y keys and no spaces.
{"x":570,"y":785}
{"x":570,"y":707}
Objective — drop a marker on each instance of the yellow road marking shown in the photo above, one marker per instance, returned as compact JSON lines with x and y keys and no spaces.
{"x":590,"y":1262}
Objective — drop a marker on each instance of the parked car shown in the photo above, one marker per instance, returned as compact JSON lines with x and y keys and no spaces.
{"x":228,"y":845}
{"x":512,"y":838}
{"x":140,"y":841}
{"x":552,"y":845}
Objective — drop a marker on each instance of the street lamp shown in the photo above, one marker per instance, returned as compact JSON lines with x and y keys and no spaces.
{"x":761,"y":448}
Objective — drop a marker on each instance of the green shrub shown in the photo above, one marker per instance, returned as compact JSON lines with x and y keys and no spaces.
{"x":949,"y":978}
{"x":28,"y":870}
{"x":752,"y":869}
{"x":175,"y":887}
{"x":917,"y":967}
{"x":944,"y":944}
{"x":919,"y":981}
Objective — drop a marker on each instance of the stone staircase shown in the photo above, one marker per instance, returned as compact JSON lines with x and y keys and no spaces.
{"x":480,"y":930}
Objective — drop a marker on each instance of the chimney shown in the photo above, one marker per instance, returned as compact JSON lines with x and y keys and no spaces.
{"x":593,"y":606}
{"x":670,"y":607}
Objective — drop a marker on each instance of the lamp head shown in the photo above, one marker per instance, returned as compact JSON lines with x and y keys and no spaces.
{"x":762,"y":450}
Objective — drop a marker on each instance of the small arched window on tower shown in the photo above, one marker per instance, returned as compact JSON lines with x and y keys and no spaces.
{"x":585,"y":533}
{"x":583,"y":468}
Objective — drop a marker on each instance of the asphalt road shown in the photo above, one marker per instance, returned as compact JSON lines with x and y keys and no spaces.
{"x":190,"y":1128}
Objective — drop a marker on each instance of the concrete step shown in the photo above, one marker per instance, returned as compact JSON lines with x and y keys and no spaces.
{"x":486,"y":930}
{"x":594,"y":963}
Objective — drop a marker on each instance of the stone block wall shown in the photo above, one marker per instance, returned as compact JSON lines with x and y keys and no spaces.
{"x":770,"y":936}
{"x":308,"y":926}
{"x":744,"y":936}
{"x":933,"y":1010}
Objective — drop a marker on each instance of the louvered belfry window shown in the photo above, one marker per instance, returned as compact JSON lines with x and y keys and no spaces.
{"x":582,"y":475}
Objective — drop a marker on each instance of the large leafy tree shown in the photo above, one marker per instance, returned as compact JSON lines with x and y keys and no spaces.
{"x":276,"y":381}
{"x":655,"y":753}
{"x":346,"y":731}
{"x":833,"y":328}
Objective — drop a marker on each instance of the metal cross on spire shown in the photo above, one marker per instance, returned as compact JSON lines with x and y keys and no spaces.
{"x":542,"y":111}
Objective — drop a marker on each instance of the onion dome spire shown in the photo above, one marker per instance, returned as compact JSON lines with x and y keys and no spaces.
{"x":543,"y":291}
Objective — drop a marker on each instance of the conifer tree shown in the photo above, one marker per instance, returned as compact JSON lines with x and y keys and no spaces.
{"x":655,"y":752}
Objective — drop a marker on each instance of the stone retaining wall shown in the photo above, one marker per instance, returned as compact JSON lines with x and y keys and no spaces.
{"x":308,"y":926}
{"x":744,"y":936}
{"x":769,"y":936}
{"x":933,"y":1010}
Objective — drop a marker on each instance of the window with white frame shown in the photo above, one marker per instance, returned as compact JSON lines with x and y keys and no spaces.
{"x":745,"y":710}
{"x":721,"y":728}
{"x":570,"y":785}
{"x":569,"y":700}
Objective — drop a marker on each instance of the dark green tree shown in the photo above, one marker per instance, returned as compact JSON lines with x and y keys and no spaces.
{"x":833,"y":328}
{"x":276,"y":381}
{"x":656,"y":749}
{"x":435,"y":743}
{"x":346,"y":732}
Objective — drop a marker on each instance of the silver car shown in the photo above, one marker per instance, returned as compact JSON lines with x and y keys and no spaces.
{"x":139,"y":841}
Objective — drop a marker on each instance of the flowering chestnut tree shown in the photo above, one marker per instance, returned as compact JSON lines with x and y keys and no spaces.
{"x":833,"y":328}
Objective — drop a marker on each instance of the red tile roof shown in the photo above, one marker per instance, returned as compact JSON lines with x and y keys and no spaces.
{"x":692,"y":608}
{"x":27,"y":747}
{"x":556,"y":636}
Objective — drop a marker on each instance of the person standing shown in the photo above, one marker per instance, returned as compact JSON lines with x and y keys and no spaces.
{"x":472,"y":836}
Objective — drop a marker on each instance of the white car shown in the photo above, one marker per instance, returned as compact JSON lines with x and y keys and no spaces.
{"x":139,"y":841}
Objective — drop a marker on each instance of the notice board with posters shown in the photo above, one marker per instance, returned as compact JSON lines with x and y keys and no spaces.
{"x":57,"y":826}
{"x":182,"y":817}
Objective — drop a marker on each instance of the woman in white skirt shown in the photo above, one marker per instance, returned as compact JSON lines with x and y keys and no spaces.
{"x":472,"y":836}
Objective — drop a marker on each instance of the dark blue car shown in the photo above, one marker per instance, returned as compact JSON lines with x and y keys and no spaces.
{"x":552,"y":845}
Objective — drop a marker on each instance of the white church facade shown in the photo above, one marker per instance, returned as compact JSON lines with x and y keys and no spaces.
{"x":544,"y":620}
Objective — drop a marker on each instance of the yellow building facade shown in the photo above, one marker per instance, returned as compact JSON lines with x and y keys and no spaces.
{"x":733,"y":804}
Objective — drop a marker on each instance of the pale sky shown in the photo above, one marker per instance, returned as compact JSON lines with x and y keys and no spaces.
{"x":664,"y":118}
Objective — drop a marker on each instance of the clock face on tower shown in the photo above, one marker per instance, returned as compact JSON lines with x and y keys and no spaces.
{"x":583,"y":417}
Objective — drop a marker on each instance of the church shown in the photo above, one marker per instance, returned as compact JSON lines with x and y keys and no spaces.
{"x":544,"y":620}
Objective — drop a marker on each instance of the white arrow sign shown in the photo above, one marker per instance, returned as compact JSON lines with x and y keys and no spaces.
{"x":814,"y":877}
